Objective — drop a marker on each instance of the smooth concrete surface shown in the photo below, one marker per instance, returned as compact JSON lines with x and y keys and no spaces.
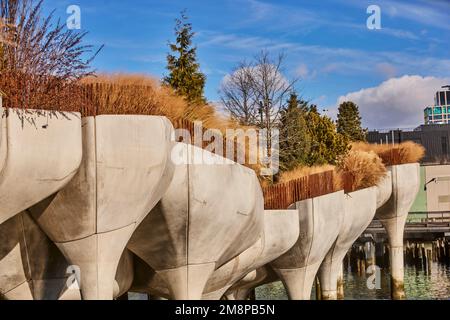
{"x":384,"y":189}
{"x":40,"y":152}
{"x":210,"y":214}
{"x":393,"y":215}
{"x":258,"y":277}
{"x":359,"y":210}
{"x":320,"y":221}
{"x":124,"y":172}
{"x":281,"y":231}
{"x":31,"y":266}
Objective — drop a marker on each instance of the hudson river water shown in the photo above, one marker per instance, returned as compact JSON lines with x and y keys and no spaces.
{"x":419,"y":285}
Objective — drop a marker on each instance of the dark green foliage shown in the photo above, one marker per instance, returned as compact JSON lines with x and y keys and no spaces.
{"x":184,"y":71}
{"x":326,"y":143}
{"x":295,"y":141}
{"x":349,"y":122}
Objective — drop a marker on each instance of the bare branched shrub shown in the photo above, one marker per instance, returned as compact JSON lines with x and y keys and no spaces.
{"x":360,"y":169}
{"x":40,"y":61}
{"x":403,"y":153}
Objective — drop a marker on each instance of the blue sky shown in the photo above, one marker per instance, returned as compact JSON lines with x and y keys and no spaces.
{"x":326,"y":43}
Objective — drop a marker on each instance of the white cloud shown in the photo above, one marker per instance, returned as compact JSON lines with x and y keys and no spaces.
{"x":397,"y":102}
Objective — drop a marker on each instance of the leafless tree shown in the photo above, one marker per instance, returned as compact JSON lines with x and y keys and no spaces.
{"x":270,"y":88}
{"x":237,"y":95}
{"x":256,"y":92}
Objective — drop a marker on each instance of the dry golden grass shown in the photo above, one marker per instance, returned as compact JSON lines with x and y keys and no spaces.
{"x":142,"y":94}
{"x":360,"y":169}
{"x":406,"y":152}
{"x":134,"y":94}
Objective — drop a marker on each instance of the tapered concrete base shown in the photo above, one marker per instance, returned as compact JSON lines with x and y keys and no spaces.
{"x":298,"y":282}
{"x":187,"y":282}
{"x":359,"y":210}
{"x":393,"y":215}
{"x":97,"y":257}
{"x":320,"y":222}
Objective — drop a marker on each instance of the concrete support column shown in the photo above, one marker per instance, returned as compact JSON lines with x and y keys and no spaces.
{"x":340,"y":284}
{"x":298,"y":282}
{"x":328,"y":276}
{"x":187,"y":282}
{"x":395,"y":228}
{"x":393,"y":215}
{"x":320,"y":221}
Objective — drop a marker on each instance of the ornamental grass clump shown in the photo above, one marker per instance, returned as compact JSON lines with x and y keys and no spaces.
{"x":403,"y":153}
{"x":360,"y":169}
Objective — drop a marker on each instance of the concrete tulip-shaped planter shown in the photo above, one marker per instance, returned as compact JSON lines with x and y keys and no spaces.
{"x":40,"y":153}
{"x":125,"y":169}
{"x":281,"y":231}
{"x":359,"y":210}
{"x":31,"y":266}
{"x":393,"y":215}
{"x":319,"y":221}
{"x":211,"y":213}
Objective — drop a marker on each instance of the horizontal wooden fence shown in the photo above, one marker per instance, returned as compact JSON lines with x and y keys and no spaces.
{"x":283,"y":195}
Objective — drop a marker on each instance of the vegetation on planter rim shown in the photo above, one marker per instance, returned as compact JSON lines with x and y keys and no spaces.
{"x":360,"y":169}
{"x":403,"y":153}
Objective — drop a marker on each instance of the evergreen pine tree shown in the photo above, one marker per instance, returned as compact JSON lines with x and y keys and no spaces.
{"x":349,"y":122}
{"x":185,"y":76}
{"x":294,"y":136}
{"x":326,"y":143}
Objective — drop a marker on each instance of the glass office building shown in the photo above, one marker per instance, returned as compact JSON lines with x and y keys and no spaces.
{"x":440,"y":112}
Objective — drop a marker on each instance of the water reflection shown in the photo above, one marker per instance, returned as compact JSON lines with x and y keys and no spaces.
{"x":419,"y":285}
